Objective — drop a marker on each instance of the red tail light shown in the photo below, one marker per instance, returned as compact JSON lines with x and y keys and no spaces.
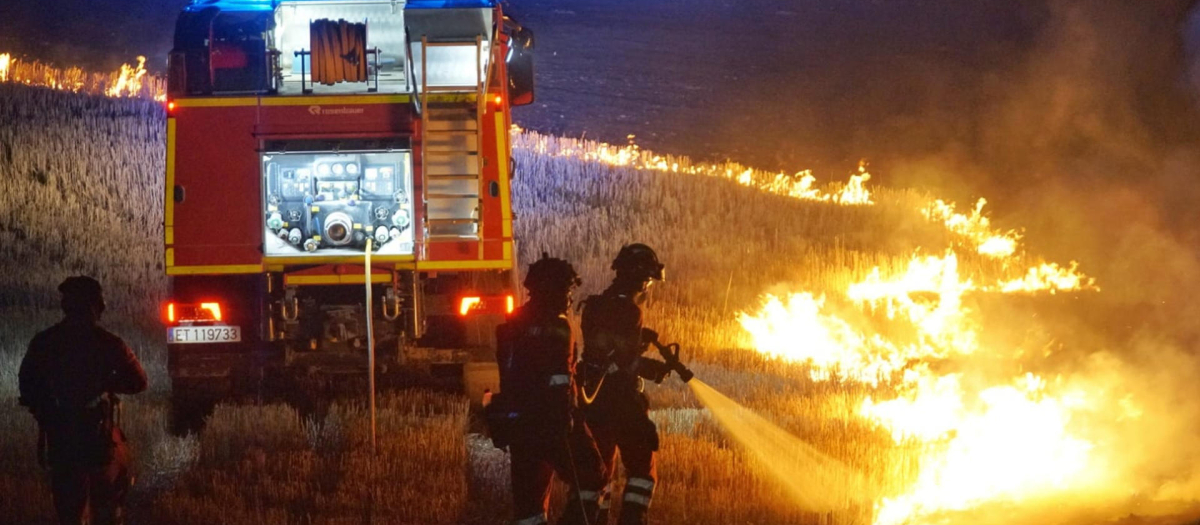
{"x":486,"y":304}
{"x":213,"y":309}
{"x":467,"y":304}
{"x":190,"y":313}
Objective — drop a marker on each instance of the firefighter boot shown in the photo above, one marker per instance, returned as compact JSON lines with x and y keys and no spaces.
{"x":635,"y":505}
{"x":602,"y":512}
{"x":583,"y":508}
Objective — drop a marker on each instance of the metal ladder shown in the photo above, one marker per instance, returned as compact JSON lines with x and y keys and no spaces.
{"x":452,"y":166}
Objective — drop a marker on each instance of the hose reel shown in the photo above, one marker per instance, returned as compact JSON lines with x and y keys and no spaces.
{"x":339,"y":51}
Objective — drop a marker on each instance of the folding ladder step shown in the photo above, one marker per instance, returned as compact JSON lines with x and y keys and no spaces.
{"x":436,"y":167}
{"x":451,"y":221}
{"x":451,"y":89}
{"x":451,"y":113}
{"x":437,"y":126}
{"x":451,"y":43}
{"x":451,"y":237}
{"x":443,"y":145}
{"x":429,"y":196}
{"x":438,"y":153}
{"x":453,"y":176}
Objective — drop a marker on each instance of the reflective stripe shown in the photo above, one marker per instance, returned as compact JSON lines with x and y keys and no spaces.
{"x":560,"y":380}
{"x":540,"y":519}
{"x":589,"y":495}
{"x":639,"y":499}
{"x":641,"y":483}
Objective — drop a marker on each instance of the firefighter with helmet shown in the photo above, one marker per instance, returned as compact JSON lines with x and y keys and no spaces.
{"x":69,"y":379}
{"x":613,"y":368}
{"x":536,"y":413}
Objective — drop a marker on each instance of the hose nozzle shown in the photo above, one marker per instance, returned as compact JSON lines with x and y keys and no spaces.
{"x":670,"y":354}
{"x":684,"y":372}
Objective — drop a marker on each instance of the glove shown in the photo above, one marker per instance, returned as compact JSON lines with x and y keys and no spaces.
{"x":649,"y":336}
{"x":652,"y":369}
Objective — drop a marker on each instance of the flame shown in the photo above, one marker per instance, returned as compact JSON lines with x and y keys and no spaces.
{"x":975,"y":227}
{"x":855,"y":191}
{"x":796,"y":329}
{"x":128,"y":81}
{"x":1005,"y":441}
{"x":1011,"y":443}
{"x":1052,"y":277}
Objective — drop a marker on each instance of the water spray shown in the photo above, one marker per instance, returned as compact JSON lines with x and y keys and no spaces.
{"x":816,"y":481}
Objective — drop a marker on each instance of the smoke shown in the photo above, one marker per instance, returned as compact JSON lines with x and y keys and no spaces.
{"x":1093,"y":145}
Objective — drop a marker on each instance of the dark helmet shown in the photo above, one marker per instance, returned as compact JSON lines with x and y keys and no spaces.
{"x":81,"y":294}
{"x":81,"y":287}
{"x":551,"y":275}
{"x":640,"y":262}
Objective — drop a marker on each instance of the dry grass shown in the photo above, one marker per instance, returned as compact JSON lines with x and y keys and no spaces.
{"x":81,"y":179}
{"x":80,"y":193}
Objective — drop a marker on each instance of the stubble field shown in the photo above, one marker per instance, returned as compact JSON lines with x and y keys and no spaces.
{"x":80,"y":178}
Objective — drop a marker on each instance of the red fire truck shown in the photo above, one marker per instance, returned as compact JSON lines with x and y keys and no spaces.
{"x":306,"y":137}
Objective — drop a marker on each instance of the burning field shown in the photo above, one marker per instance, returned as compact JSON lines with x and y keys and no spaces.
{"x":864,"y":354}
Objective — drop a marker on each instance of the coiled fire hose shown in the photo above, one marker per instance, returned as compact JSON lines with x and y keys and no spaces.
{"x":339,"y":51}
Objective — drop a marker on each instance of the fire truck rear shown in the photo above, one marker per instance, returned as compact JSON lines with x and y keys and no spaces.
{"x":306,"y":137}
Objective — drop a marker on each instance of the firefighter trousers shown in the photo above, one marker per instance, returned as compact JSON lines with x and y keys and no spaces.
{"x":635,"y":437}
{"x":535,"y":462}
{"x":80,"y":491}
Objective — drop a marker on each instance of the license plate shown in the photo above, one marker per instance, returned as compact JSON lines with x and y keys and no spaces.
{"x":204,"y":334}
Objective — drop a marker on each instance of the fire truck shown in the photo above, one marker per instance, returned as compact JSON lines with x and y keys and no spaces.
{"x":335,"y":165}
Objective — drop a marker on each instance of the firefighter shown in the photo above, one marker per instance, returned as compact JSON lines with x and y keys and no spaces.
{"x":613,"y":369}
{"x":69,"y":379}
{"x":537,"y":405}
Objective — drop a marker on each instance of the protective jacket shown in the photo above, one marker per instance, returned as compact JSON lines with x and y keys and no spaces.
{"x":618,"y":415}
{"x":536,"y":356}
{"x":68,"y":380}
{"x":614,"y":340}
{"x":536,"y":416}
